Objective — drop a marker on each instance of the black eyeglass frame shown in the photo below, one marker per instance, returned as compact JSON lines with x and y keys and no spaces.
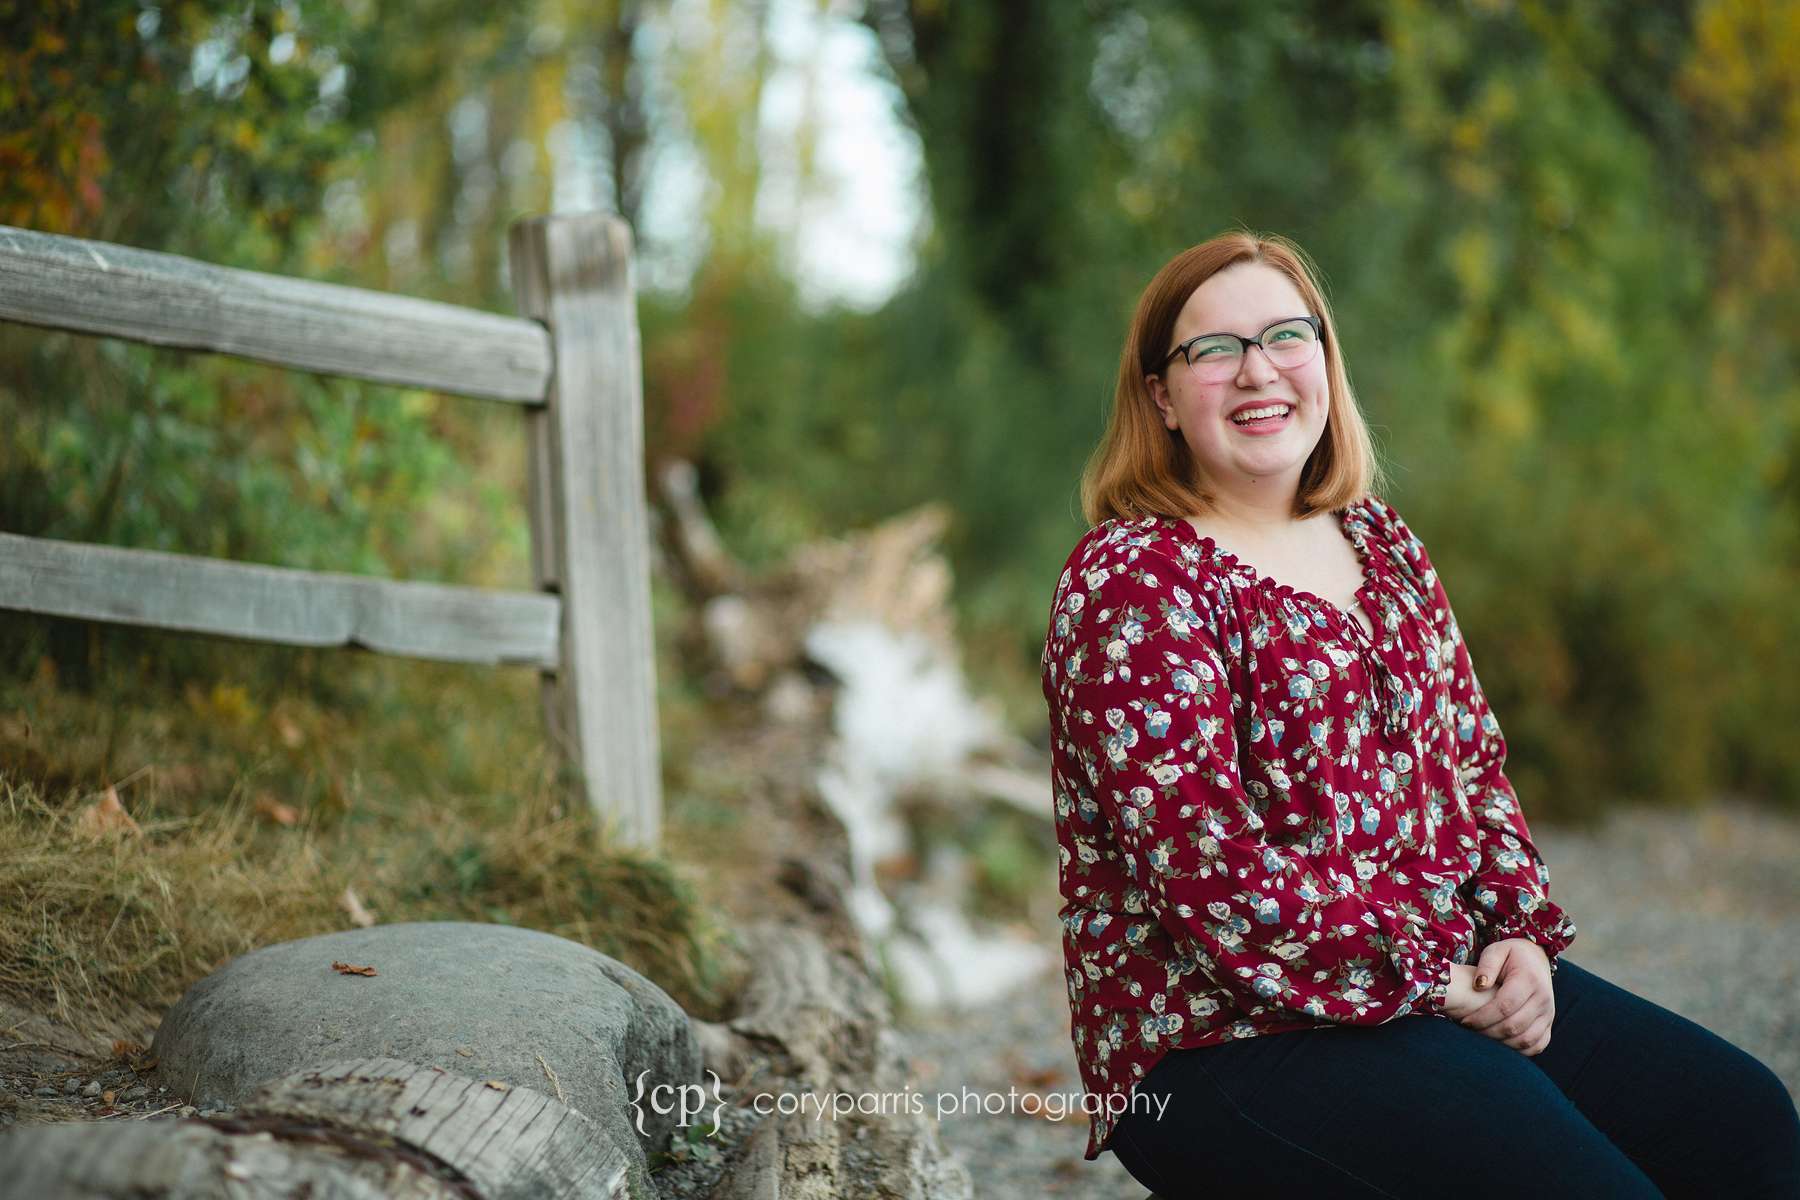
{"x":1318,"y":328}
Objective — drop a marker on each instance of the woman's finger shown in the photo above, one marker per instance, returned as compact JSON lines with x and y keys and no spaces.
{"x":1516,"y":1030}
{"x":1504,"y":1004}
{"x":1503,"y":1015}
{"x":1533,"y":1031}
{"x":1542,"y":1039}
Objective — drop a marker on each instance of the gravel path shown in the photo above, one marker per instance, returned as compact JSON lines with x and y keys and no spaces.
{"x":1699,"y":912}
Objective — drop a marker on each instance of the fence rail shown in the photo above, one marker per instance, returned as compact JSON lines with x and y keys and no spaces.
{"x":166,"y":300}
{"x":277,"y":604}
{"x":574,"y":365}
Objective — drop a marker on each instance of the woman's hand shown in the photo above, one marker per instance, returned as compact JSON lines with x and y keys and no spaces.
{"x":1462,"y":998}
{"x":1521,"y":1008}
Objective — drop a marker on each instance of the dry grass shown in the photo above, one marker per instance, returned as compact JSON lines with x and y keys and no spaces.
{"x":93,"y":929}
{"x":100,"y":926}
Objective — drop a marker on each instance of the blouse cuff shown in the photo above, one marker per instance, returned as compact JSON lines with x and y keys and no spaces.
{"x":1545,"y":924}
{"x":1432,"y":1002}
{"x":1418,"y":963}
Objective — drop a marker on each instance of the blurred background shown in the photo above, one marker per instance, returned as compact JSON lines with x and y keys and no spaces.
{"x":900,"y":242}
{"x":887,"y":255}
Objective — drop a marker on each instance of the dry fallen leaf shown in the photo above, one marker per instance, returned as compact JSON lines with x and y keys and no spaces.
{"x":465,"y":1052}
{"x":106,"y":816}
{"x":344,"y":968}
{"x":498,"y":1086}
{"x":351,"y":903}
{"x":108,"y":1096}
{"x":1037,"y":1080}
{"x":276,"y":811}
{"x":133,"y":1055}
{"x":290,"y":734}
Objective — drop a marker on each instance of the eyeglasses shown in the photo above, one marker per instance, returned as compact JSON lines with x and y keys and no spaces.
{"x":1217,"y":356}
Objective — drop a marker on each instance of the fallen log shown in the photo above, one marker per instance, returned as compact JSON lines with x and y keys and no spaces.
{"x":368,"y":1128}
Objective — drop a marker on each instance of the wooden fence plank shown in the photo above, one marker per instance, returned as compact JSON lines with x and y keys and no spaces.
{"x":278,"y":604}
{"x":590,"y":518}
{"x":164,"y":299}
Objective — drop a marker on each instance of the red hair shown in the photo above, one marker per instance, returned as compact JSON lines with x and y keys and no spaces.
{"x":1141,"y":466}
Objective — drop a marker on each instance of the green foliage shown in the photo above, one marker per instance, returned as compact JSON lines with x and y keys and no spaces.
{"x":688,"y":1143}
{"x":238,"y":135}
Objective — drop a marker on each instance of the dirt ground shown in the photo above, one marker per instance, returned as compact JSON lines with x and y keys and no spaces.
{"x":52,"y":1071}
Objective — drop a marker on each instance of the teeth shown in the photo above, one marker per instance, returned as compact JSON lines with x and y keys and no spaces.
{"x":1253,"y":414}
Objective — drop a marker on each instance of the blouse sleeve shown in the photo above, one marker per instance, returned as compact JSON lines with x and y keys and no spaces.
{"x":1143,"y":704}
{"x":1511,"y":884}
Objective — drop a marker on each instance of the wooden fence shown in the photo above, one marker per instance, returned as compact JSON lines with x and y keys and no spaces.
{"x":574,"y":365}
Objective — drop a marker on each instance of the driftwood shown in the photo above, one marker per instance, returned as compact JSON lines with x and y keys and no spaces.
{"x":819,"y":1005}
{"x":756,"y":629}
{"x":821,"y":1014}
{"x":813,"y":1021}
{"x":709,"y":567}
{"x":369,"y":1128}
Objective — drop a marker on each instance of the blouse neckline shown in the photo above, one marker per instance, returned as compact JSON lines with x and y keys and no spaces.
{"x":1352,"y":528}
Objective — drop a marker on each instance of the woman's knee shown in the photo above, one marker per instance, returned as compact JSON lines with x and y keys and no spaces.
{"x":1698,"y":1112}
{"x":1771,"y":1132}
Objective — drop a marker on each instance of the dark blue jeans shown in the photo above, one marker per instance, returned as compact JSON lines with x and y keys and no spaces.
{"x":1628,"y":1100}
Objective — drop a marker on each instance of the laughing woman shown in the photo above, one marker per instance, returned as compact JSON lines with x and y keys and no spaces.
{"x":1310,"y":944}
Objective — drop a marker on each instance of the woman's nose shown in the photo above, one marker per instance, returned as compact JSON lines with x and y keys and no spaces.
{"x":1257,"y":366}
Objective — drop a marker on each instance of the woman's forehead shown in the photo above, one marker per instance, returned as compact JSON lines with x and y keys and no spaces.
{"x":1244,"y":298}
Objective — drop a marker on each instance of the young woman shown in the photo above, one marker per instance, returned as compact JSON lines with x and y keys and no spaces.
{"x":1310,"y":945}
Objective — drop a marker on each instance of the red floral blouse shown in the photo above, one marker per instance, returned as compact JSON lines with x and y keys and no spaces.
{"x":1266,"y":818}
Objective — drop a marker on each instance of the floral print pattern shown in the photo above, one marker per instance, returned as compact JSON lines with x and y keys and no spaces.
{"x":1270,"y":816}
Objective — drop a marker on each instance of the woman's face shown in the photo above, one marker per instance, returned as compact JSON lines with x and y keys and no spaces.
{"x":1244,"y":299}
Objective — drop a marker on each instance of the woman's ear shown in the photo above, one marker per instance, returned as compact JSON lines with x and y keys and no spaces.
{"x":1159,"y":396}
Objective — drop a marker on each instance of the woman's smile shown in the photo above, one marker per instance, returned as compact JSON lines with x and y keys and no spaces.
{"x":1263,"y":419}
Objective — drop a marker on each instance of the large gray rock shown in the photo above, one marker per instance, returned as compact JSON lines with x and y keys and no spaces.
{"x":487,"y":1001}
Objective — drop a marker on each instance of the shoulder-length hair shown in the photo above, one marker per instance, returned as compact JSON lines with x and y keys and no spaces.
{"x":1141,"y":466}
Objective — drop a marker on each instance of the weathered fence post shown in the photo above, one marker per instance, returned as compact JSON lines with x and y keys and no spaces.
{"x":589,"y":521}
